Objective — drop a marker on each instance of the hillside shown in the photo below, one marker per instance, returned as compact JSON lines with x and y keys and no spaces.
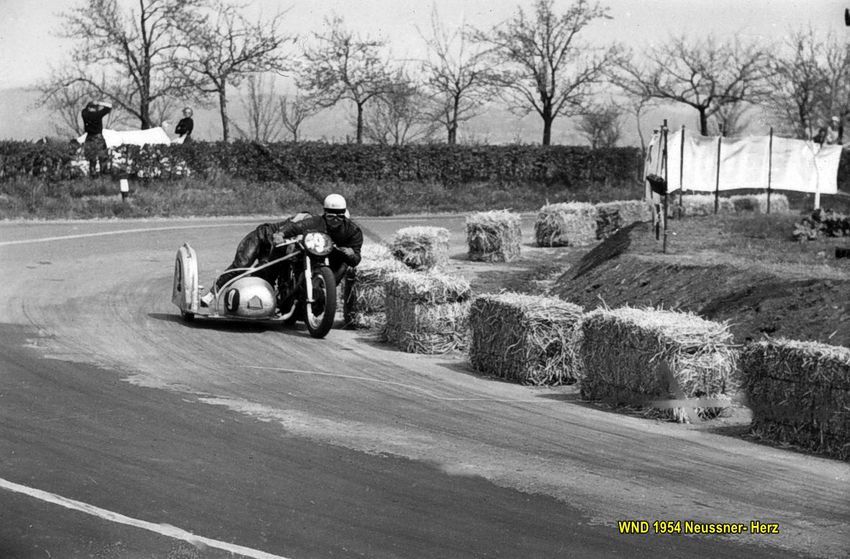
{"x":741,"y":269}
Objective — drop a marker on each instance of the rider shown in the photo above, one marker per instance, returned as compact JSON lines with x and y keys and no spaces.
{"x":335,"y":221}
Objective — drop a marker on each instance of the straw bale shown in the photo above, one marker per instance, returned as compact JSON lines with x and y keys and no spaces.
{"x":374,"y":251}
{"x":426,"y":312}
{"x":566,"y":224}
{"x":427,"y":287}
{"x":630,"y":211}
{"x":421,"y":247}
{"x":365,"y":309}
{"x":494,"y":236}
{"x":636,"y":356}
{"x":695,"y":205}
{"x":799,"y":393}
{"x":607,"y":221}
{"x":524,"y":338}
{"x":758,"y":203}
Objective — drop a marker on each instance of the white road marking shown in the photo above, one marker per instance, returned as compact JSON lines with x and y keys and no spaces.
{"x":162,"y":529}
{"x":118,"y":232}
{"x":403,"y":385}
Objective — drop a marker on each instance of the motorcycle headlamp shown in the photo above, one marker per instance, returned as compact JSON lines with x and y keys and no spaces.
{"x":317,"y":243}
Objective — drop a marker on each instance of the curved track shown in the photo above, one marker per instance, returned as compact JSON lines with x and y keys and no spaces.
{"x":270,"y":440}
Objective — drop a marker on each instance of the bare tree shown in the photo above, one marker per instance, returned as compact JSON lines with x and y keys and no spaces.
{"x":705,"y":75}
{"x":294,"y":112}
{"x":636,"y":105}
{"x":344,"y":66}
{"x":124,"y":57}
{"x":732,"y":119}
{"x":456,"y":75}
{"x":66,"y":103}
{"x":541,"y":65}
{"x":223,"y":48}
{"x":836,"y":73}
{"x":795,"y":95}
{"x":397,"y":118}
{"x":601,"y":125}
{"x":262,"y":110}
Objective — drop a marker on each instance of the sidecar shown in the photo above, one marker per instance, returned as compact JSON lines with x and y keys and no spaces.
{"x":244,"y":297}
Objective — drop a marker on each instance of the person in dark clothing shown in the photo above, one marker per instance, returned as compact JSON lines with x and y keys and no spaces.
{"x":95,"y":146}
{"x":185,"y":126}
{"x":346,"y":235}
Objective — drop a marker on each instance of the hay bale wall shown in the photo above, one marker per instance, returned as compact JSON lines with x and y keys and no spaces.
{"x":426,"y":312}
{"x":524,"y":338}
{"x":695,"y":205}
{"x":494,"y":236}
{"x":365,"y":306}
{"x":758,"y":203}
{"x":421,"y":248}
{"x":799,"y":393}
{"x":635,"y":356}
{"x":630,"y":211}
{"x":566,"y":224}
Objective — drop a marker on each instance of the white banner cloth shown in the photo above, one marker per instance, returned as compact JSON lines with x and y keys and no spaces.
{"x":115,"y":138}
{"x":798,"y":165}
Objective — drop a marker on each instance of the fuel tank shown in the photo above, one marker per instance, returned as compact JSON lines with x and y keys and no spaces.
{"x":249,"y":297}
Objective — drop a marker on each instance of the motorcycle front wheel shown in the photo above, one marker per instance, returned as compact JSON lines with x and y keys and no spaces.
{"x":320,"y":314}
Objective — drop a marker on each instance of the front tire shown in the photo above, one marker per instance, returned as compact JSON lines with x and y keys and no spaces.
{"x":320,"y":315}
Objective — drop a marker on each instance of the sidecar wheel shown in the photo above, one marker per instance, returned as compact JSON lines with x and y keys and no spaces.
{"x":320,"y":315}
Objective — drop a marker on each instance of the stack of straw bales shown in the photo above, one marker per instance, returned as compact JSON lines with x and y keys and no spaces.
{"x":636,"y":356}
{"x":566,"y":224}
{"x":494,"y":236}
{"x":800,"y":393}
{"x":365,"y":307}
{"x":607,"y":221}
{"x":421,"y":248}
{"x":758,"y":203}
{"x":524,"y":338}
{"x":630,"y":211}
{"x":697,"y":205}
{"x":427,"y":312}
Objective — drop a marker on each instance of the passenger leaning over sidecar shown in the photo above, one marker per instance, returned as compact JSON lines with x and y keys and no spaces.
{"x":257,"y":246}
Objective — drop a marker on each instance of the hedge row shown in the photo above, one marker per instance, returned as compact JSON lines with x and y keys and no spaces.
{"x":315,"y":162}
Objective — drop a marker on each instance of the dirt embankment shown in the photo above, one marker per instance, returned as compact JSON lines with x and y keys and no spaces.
{"x":757,"y":299}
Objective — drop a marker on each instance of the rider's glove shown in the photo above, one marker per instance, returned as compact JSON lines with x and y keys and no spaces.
{"x":347,"y":251}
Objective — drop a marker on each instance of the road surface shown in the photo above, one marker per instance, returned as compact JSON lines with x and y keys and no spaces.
{"x":125,"y":432}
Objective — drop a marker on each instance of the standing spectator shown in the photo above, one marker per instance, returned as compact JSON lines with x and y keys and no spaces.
{"x":834,"y":131}
{"x":95,"y":145}
{"x":185,"y":126}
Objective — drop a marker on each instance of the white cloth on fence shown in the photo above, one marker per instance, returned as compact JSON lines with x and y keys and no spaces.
{"x":115,"y":138}
{"x":798,"y":165}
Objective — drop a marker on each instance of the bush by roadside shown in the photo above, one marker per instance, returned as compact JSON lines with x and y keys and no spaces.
{"x":31,"y":197}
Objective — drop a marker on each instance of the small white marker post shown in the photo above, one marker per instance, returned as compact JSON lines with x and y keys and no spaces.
{"x":124,"y":185}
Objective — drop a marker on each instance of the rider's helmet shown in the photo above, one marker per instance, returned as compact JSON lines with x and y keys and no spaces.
{"x":335,"y":204}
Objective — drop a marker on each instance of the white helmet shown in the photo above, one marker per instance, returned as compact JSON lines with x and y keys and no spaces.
{"x":335,"y":204}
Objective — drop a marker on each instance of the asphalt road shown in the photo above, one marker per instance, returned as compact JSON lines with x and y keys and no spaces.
{"x":125,"y":432}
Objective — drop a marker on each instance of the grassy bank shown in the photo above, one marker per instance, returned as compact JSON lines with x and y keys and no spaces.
{"x":91,"y":198}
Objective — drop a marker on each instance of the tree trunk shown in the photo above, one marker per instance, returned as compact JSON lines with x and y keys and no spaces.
{"x":703,"y":121}
{"x":548,"y":119}
{"x":144,"y":111}
{"x":222,"y":106}
{"x":359,"y":123}
{"x":452,"y":140}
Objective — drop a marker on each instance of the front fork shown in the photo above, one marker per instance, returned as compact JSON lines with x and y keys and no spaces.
{"x":308,"y":277}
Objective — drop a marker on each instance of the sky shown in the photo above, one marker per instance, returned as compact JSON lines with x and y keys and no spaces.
{"x":30,"y":45}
